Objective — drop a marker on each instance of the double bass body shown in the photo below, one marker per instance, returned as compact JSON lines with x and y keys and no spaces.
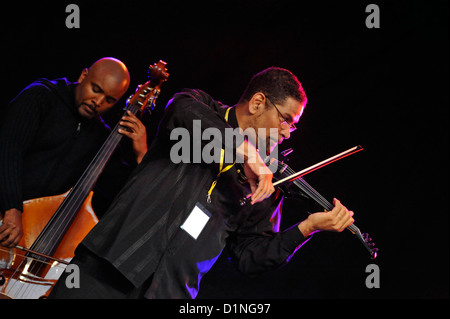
{"x":27,"y":276}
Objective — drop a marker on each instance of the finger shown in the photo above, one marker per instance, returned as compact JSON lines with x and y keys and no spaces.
{"x":346,"y":220}
{"x":253,"y":186}
{"x":5,"y":235}
{"x":265,"y":189}
{"x":11,"y":237}
{"x":350,"y":219}
{"x":130,"y":114}
{"x":339,"y":210}
{"x":10,"y":241}
{"x":125,"y":132}
{"x":256,"y":193}
{"x":3,"y":239}
{"x":130,"y":117}
{"x":345,"y":224}
{"x":337,"y":203}
{"x":137,"y":128}
{"x":13,"y":242}
{"x":129,"y":124}
{"x":256,"y":197}
{"x":336,"y":209}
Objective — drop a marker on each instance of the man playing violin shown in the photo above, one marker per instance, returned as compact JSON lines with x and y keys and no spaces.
{"x":51,"y":131}
{"x":171,"y":221}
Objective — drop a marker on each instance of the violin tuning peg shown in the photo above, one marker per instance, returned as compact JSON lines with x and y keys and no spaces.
{"x":286,"y":152}
{"x":374,"y":253}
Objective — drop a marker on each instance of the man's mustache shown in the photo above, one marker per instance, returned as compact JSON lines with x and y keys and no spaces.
{"x":92,"y":107}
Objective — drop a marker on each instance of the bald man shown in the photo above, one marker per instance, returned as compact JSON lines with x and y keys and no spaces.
{"x":50,"y":133}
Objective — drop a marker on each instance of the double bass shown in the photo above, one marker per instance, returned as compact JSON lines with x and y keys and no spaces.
{"x":53,"y":226}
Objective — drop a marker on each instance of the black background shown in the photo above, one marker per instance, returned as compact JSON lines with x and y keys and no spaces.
{"x":385,"y":89}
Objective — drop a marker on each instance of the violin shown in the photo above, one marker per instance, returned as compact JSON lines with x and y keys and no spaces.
{"x":286,"y":176}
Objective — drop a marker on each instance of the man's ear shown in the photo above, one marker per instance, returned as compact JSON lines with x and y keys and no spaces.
{"x":83,"y":75}
{"x":257,"y":103}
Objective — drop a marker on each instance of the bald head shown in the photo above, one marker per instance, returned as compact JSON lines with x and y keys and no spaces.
{"x":101,"y":86}
{"x":112,"y":70}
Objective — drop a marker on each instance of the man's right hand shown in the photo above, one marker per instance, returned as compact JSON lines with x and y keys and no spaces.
{"x":258,"y":174}
{"x":11,"y":229}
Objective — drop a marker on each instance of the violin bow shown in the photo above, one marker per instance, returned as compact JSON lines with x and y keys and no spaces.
{"x":323,"y":163}
{"x":312,"y":168}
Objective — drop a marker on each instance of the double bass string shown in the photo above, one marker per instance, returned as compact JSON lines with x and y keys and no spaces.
{"x":47,"y":242}
{"x":15,"y":278}
{"x":81,"y":190}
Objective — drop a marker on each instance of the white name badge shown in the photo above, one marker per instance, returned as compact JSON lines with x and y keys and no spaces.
{"x":196,"y":221}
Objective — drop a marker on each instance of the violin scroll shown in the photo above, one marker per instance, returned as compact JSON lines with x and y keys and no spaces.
{"x":365,"y":240}
{"x":372,"y":249}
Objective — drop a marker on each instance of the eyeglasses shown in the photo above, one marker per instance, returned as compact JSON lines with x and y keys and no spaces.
{"x":285,"y":121}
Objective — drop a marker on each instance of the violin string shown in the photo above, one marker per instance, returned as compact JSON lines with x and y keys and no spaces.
{"x":327,"y":205}
{"x":310,"y":191}
{"x":322,"y":201}
{"x":319,"y":198}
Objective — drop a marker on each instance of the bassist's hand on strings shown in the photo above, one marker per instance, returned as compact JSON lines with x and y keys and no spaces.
{"x":11,"y":229}
{"x":335,"y":220}
{"x":135,"y":130}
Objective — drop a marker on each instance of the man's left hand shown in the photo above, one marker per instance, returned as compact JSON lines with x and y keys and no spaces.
{"x":135,"y":130}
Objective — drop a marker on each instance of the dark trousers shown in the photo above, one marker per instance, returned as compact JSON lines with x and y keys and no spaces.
{"x":98,"y":279}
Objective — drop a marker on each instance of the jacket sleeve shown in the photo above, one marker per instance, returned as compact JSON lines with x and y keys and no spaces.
{"x":20,"y":122}
{"x":258,"y":245}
